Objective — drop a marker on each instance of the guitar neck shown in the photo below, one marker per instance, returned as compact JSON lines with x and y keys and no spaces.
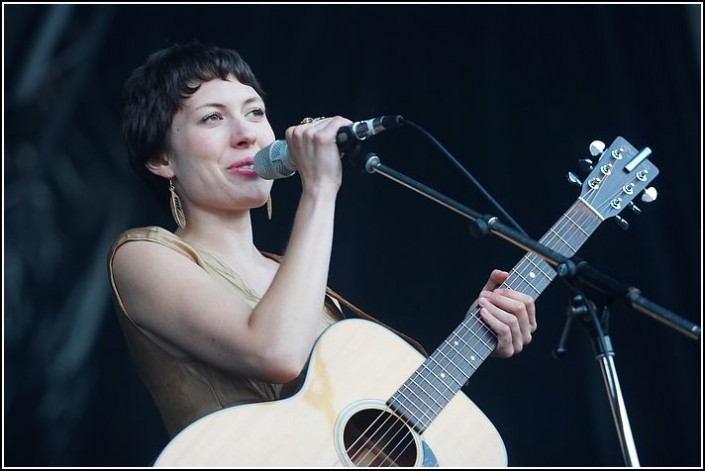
{"x":427,"y":391}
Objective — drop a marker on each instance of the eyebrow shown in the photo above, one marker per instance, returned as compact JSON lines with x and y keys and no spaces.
{"x":250,"y":100}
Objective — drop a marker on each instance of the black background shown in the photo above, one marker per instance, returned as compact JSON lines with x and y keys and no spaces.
{"x":515,"y":92}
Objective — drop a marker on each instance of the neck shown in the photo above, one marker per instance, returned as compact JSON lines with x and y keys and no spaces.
{"x":221,"y":234}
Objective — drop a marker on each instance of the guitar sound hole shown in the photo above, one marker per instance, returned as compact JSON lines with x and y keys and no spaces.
{"x":374,"y":437}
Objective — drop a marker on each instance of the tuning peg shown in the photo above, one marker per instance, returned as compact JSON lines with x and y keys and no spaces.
{"x":650,"y":194}
{"x":635,"y":209}
{"x":573,"y":179}
{"x":621,"y":222}
{"x":597,"y":148}
{"x":585,"y":165}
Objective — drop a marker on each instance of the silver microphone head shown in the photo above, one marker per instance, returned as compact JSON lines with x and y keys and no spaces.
{"x":273,"y":161}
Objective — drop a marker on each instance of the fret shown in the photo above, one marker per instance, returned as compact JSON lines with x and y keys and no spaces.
{"x":443,"y":352}
{"x":437,"y":368}
{"x":539,"y":281}
{"x":482,"y":334}
{"x":577,"y":226}
{"x":565,"y":242}
{"x":421,"y":398}
{"x":436,"y":365}
{"x":526,"y":281}
{"x":470,"y":347}
{"x":416,"y":411}
{"x":428,"y":380}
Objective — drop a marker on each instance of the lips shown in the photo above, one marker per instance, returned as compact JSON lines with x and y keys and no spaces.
{"x":243,"y":167}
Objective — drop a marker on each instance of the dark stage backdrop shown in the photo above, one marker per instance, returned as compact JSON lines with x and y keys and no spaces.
{"x":515,"y":92}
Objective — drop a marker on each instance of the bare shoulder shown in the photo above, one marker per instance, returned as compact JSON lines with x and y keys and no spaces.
{"x":154,"y":280}
{"x":133,"y":255}
{"x":141,"y":261}
{"x":172,"y":297}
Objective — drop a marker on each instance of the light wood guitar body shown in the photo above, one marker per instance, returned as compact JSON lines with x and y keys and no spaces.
{"x":353,"y":361}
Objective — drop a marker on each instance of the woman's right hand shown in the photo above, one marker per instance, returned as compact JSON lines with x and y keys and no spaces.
{"x":314,"y":151}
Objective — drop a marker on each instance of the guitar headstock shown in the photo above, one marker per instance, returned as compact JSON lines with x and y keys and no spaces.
{"x":620,"y":174}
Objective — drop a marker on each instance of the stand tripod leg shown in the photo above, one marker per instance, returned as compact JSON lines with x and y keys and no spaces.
{"x":619,"y":412}
{"x":584,"y":310}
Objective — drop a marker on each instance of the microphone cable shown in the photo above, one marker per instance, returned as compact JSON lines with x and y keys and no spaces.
{"x":467,"y":174}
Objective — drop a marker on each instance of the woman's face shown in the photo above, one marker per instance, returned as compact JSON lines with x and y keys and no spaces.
{"x":212,"y":142}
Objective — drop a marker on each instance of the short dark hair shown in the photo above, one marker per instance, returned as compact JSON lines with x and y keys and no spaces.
{"x":155,"y":91}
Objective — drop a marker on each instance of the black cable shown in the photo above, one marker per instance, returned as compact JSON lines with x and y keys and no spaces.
{"x":467,"y":175}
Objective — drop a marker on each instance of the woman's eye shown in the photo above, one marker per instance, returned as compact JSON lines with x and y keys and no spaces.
{"x":257,"y":112}
{"x":213,"y":117}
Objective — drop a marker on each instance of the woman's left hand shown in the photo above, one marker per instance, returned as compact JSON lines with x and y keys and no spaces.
{"x":510,"y":314}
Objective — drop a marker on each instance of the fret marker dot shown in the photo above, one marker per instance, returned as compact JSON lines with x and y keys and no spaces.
{"x":532,"y":275}
{"x":472,"y":357}
{"x":443,"y":375}
{"x":455,"y":343}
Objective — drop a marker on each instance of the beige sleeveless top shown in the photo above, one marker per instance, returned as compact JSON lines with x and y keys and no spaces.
{"x":183,"y":387}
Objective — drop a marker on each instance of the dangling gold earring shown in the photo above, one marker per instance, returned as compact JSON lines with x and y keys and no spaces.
{"x":269,"y":207}
{"x":177,"y":211}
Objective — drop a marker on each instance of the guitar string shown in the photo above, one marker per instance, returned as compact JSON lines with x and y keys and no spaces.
{"x":553,"y":234}
{"x":608,"y":201}
{"x":510,"y":284}
{"x":557,"y":234}
{"x":379,"y":427}
{"x":389,"y":415}
{"x":416,"y":394}
{"x":618,"y":190}
{"x":517,"y":272}
{"x":421,"y":377}
{"x":408,"y":436}
{"x":517,"y":278}
{"x":413,"y":416}
{"x":363,"y":434}
{"x":518,"y":269}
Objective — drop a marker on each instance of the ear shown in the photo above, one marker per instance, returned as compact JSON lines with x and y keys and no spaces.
{"x":160,"y":166}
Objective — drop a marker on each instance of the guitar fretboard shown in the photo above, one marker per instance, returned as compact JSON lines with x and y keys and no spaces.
{"x":429,"y":389}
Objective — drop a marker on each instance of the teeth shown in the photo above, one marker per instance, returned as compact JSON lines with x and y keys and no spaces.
{"x":250,"y":166}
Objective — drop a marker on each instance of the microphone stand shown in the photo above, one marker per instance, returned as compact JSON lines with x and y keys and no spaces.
{"x":580,"y":308}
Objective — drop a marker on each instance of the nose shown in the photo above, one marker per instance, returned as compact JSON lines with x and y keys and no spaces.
{"x":243,"y":133}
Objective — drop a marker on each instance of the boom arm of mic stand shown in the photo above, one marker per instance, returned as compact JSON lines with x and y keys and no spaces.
{"x":633,"y":297}
{"x":482,"y":225}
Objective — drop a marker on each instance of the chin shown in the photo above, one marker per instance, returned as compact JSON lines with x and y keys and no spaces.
{"x":259,"y":202}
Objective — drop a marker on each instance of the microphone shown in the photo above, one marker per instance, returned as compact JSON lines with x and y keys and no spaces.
{"x":273,"y":161}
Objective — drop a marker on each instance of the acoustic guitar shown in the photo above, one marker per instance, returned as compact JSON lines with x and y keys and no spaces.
{"x":370,"y":399}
